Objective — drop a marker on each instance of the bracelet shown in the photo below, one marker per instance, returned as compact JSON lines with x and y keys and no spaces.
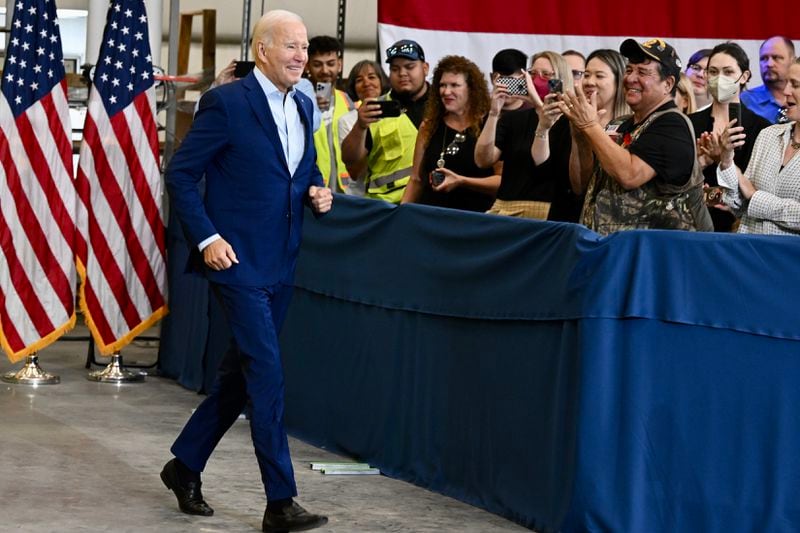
{"x":497,"y":114}
{"x":542,"y":135}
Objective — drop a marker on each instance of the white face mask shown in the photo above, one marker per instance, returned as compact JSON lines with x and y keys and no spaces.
{"x":722,"y":88}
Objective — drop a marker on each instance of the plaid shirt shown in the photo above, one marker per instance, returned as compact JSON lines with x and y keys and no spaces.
{"x":774,"y":209}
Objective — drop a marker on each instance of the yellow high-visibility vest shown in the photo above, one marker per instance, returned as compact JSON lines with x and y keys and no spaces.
{"x":391,"y":157}
{"x":341,"y":106}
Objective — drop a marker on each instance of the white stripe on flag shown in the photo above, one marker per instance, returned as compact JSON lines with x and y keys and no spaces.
{"x":36,"y":198}
{"x":480,"y":47}
{"x":107,"y":222}
{"x":62,"y":179}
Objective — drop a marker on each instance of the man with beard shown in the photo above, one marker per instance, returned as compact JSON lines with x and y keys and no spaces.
{"x":768,"y":100}
{"x":384,"y":146}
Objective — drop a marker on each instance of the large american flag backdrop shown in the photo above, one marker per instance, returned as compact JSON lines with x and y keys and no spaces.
{"x":120,"y":189}
{"x":37,"y":195}
{"x":478,"y":29}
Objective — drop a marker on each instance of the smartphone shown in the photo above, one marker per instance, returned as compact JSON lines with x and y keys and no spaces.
{"x":735,"y":112}
{"x":556,"y":85}
{"x":515,"y":86}
{"x":389,"y":108}
{"x":243,"y":68}
{"x":323,"y":89}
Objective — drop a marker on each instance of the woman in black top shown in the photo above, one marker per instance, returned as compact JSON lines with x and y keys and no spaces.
{"x":528,"y":188}
{"x":728,"y":73}
{"x":444,"y":172}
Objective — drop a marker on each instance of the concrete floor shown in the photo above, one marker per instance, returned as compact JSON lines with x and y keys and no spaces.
{"x":85,"y":456}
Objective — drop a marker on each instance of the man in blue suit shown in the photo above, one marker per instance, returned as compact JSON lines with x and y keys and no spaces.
{"x":252,"y":140}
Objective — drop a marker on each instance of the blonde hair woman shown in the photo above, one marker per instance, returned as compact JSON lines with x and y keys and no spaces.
{"x":684,"y":96}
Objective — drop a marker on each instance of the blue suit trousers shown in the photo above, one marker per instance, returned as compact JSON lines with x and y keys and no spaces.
{"x":251,"y":370}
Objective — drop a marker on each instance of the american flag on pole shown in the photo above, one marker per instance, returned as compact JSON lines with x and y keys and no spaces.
{"x":37,"y":194}
{"x":120,"y":188}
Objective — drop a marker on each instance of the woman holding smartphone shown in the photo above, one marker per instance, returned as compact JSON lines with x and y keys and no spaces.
{"x":728,"y":73}
{"x":602,"y":82}
{"x":366,"y":80}
{"x":767,"y":194}
{"x":444,"y":171}
{"x":529,"y":180}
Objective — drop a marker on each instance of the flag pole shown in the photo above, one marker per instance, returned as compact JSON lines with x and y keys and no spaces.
{"x":31,"y":374}
{"x":115,"y":373}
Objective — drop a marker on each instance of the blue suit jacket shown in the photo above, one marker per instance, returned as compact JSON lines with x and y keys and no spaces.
{"x":251,"y":200}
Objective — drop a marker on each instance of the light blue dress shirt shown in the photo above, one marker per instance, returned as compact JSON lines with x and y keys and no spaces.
{"x":287,"y":119}
{"x":290,"y":128}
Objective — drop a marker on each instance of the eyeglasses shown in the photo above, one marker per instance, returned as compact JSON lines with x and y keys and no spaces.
{"x":546,"y":74}
{"x":407,"y":49}
{"x":697,"y":69}
{"x":578,"y":74}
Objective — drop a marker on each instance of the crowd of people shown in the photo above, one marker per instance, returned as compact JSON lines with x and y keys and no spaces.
{"x":598,"y":140}
{"x":613,"y":140}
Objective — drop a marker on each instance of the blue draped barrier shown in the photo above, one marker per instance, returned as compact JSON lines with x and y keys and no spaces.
{"x":640,"y":382}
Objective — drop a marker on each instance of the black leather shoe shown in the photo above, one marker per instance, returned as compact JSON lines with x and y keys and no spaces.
{"x":291,"y":518}
{"x":190,"y":497}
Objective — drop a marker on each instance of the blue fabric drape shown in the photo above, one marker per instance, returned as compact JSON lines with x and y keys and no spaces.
{"x":466,"y":407}
{"x":639,"y":382}
{"x":686,"y":428}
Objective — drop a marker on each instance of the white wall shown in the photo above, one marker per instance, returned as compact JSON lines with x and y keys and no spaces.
{"x":320,"y":17}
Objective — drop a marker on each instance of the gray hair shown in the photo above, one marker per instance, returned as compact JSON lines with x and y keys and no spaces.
{"x":264,"y":28}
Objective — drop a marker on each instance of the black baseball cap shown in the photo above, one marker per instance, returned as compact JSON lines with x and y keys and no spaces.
{"x":405,"y":48}
{"x":656,"y":49}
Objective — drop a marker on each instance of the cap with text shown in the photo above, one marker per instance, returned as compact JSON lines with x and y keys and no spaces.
{"x":406,"y":48}
{"x":655,"y":49}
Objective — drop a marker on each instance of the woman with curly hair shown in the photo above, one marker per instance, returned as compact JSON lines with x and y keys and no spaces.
{"x":444,"y":172}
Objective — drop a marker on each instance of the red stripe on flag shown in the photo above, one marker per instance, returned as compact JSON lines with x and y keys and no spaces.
{"x":97,"y":316}
{"x":142,"y":104}
{"x":83,"y":191}
{"x":62,"y":142}
{"x":28,"y":219}
{"x":13,"y":339}
{"x":118,"y":202}
{"x":21,"y":283}
{"x":140,"y":180}
{"x":98,"y":240}
{"x":740,"y":19}
{"x":61,"y":213}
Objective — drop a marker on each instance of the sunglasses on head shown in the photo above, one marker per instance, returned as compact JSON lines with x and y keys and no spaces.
{"x":403,"y":49}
